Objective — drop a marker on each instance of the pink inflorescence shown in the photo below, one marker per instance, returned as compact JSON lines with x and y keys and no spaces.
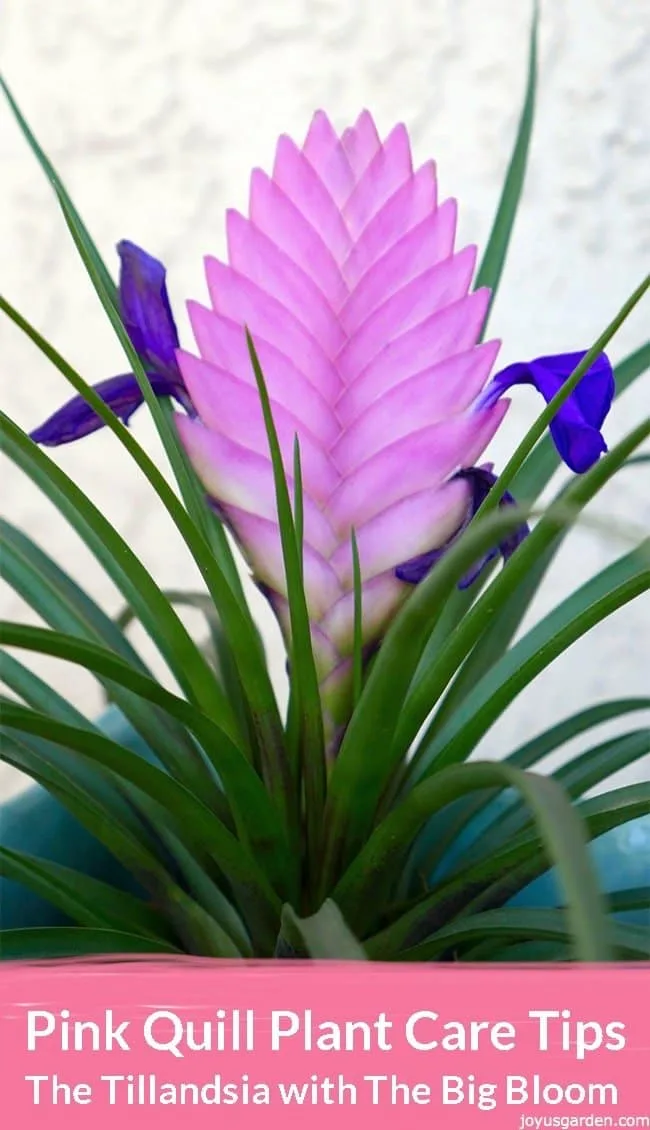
{"x":346,"y":276}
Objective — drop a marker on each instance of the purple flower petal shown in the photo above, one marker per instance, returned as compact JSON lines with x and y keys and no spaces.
{"x":77,"y":419}
{"x":145,"y":308}
{"x":150,"y":325}
{"x":481,"y":481}
{"x":576,"y":426}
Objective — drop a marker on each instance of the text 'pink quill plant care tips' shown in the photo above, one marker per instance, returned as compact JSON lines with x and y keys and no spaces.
{"x":368,"y":334}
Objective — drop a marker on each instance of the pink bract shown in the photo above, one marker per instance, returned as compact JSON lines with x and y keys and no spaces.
{"x":368,"y":335}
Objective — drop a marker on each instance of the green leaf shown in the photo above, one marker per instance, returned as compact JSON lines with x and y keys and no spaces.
{"x":457,"y":606}
{"x":200,"y":601}
{"x":638,"y":460}
{"x":208,"y":894}
{"x":368,"y":881}
{"x":489,"y":608}
{"x":324,"y":935}
{"x":202,"y":933}
{"x":632,"y":898}
{"x":434,"y":678}
{"x":258,"y":823}
{"x":490,"y":270}
{"x":61,"y":603}
{"x":211,"y":927}
{"x":367,"y":758}
{"x":615,"y":586}
{"x":46,"y":942}
{"x":303,"y":676}
{"x":215,"y":534}
{"x":493,"y":949}
{"x":92,"y":796}
{"x":357,"y":649}
{"x":371,"y":760}
{"x":298,"y":503}
{"x":124,"y":568}
{"x":221,"y":656}
{"x":94,"y":807}
{"x":439,"y":838}
{"x":517,"y":864}
{"x":57,"y":599}
{"x":577,"y":777}
{"x":36,"y":693}
{"x":89,"y":798}
{"x":494,"y":642}
{"x":629,"y":942}
{"x":213,"y":556}
{"x":87,"y":901}
{"x":193,"y":823}
{"x":499,"y":875}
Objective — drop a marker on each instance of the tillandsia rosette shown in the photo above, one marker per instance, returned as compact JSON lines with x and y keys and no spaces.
{"x":332,"y":425}
{"x":369,"y":337}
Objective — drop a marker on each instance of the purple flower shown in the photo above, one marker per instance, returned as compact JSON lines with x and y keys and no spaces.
{"x":145,"y":309}
{"x":576,"y":426}
{"x":147,"y":317}
{"x":481,"y":481}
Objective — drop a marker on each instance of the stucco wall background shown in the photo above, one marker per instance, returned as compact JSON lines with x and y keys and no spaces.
{"x":155,"y":112}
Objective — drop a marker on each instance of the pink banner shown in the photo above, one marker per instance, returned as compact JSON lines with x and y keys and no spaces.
{"x":164,"y":1043}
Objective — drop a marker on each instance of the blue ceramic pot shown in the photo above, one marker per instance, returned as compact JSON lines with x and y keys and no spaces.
{"x":36,"y":823}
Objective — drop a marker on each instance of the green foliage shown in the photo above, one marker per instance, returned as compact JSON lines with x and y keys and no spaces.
{"x":242,"y":841}
{"x":494,"y":258}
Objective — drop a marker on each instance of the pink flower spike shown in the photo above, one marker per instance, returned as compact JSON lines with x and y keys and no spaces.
{"x":346,"y":274}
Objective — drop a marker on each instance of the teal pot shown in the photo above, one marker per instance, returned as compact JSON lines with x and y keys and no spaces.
{"x":34,"y":822}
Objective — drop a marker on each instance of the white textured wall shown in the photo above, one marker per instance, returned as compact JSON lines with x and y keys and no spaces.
{"x":155,"y":112}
